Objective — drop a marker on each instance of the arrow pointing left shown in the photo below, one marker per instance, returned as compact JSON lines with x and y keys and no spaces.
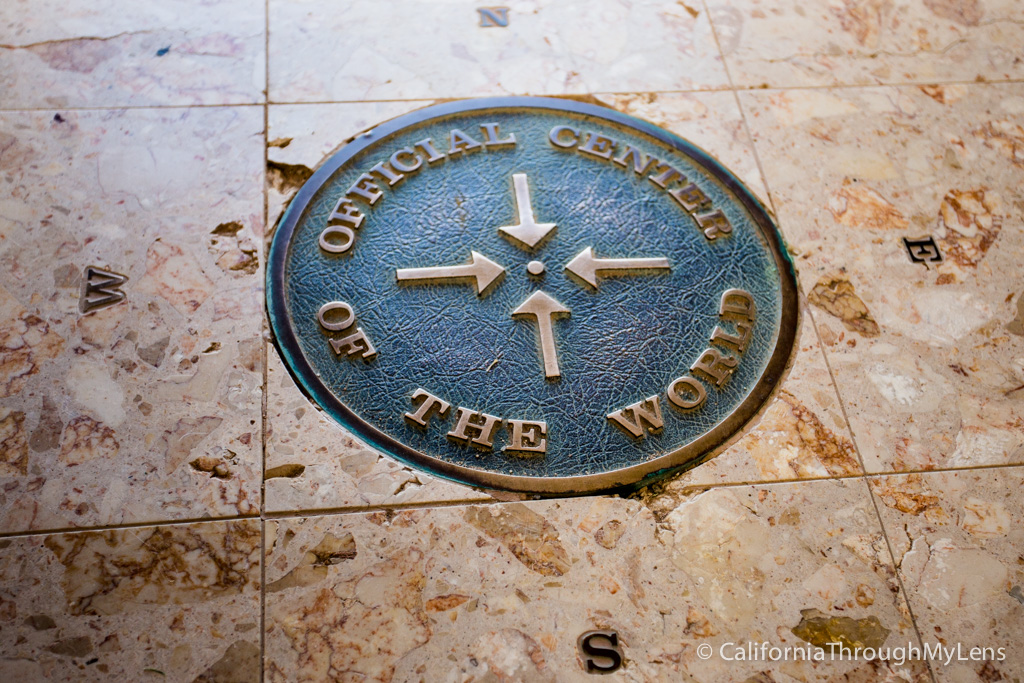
{"x":482,"y":271}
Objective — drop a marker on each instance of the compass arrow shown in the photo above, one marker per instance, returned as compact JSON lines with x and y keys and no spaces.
{"x":586,"y":266}
{"x":529,"y":232}
{"x":481,"y":269}
{"x":544,"y":309}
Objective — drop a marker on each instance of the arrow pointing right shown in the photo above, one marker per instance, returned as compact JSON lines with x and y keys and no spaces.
{"x":586,"y":266}
{"x":482,"y":271}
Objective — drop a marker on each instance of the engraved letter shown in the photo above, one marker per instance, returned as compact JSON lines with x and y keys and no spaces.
{"x":428,"y":148}
{"x":527,"y":437}
{"x":641,"y":162}
{"x":355,"y":344}
{"x":365,"y":188}
{"x":557,"y":139}
{"x":690,"y":385}
{"x":345,"y":212}
{"x":690,"y":197}
{"x":402,"y":166}
{"x":598,"y":146}
{"x":666,"y":176}
{"x":491,"y":136}
{"x":389,"y":175}
{"x":716,"y":366}
{"x":347,"y":238}
{"x":429,"y":406}
{"x":339,"y":325}
{"x":635,"y":418}
{"x":482,"y":425}
{"x":739,"y":303}
{"x":714,"y":224}
{"x":462,"y":143}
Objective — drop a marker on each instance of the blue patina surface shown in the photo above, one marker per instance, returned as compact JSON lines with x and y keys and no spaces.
{"x":623,"y":342}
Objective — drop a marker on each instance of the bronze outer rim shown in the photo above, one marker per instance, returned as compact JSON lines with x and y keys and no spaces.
{"x":687,"y":456}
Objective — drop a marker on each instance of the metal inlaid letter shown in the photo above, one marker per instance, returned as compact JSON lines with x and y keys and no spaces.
{"x":337,"y":239}
{"x":100,"y":289}
{"x":346,"y":212}
{"x":714,"y":224}
{"x":737,"y":303}
{"x":461,"y":142}
{"x":640,"y":161}
{"x":493,"y":16}
{"x":600,"y":652}
{"x":690,"y":197}
{"x":923,"y":250}
{"x":348,"y":319}
{"x":717,"y":367}
{"x":598,"y":146}
{"x":689,"y":386}
{"x":430,"y":406}
{"x":491,"y":138}
{"x":640,"y":418}
{"x":365,"y":187}
{"x":558,"y":140}
{"x":474,"y":429}
{"x":527,"y":437}
{"x":355,"y":344}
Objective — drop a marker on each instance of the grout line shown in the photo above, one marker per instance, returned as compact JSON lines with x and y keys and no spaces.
{"x":824,"y":354}
{"x":129,"y":525}
{"x":691,"y":91}
{"x":133,"y":107}
{"x":263,"y":343}
{"x":400,"y":507}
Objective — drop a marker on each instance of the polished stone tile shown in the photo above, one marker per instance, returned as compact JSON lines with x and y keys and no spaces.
{"x":355,"y":51}
{"x":139,"y":52}
{"x":313,"y":463}
{"x":175,"y":603}
{"x":149,"y":409}
{"x":301,"y":136}
{"x":800,"y":434}
{"x":928,"y":357}
{"x":501,"y":592}
{"x":957,"y":537}
{"x":861,"y":42}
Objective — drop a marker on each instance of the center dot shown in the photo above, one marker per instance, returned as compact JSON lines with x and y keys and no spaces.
{"x":535,"y":268}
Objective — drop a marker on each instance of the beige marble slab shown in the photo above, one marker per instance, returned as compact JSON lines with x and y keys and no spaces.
{"x":501,"y":592}
{"x":355,"y":51}
{"x":957,"y":538}
{"x":56,"y":53}
{"x":313,"y":463}
{"x":791,"y":43}
{"x":170,"y":603}
{"x":929,"y":359}
{"x":149,"y":409}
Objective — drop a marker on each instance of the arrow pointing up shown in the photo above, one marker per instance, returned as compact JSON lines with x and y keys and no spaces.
{"x":481,"y":270}
{"x":544,"y":309}
{"x":586,"y":266}
{"x":529,"y":232}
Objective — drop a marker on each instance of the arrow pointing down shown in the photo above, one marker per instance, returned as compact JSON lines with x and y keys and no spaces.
{"x":544,"y":309}
{"x":482,"y":270}
{"x":586,"y":266}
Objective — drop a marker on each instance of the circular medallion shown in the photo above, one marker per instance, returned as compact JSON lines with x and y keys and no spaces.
{"x":532,"y":294}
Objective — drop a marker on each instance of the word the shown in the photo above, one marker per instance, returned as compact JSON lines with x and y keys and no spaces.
{"x":478,"y":429}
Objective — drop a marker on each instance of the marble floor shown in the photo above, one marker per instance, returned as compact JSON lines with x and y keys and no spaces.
{"x":173,"y":508}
